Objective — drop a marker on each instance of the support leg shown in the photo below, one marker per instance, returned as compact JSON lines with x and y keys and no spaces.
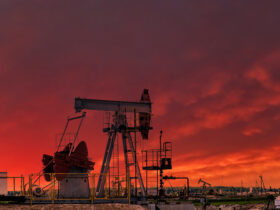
{"x":139,"y":177}
{"x":106,"y":163}
{"x":126,"y":157}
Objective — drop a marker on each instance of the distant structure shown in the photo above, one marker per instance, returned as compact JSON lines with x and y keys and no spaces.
{"x":3,"y":183}
{"x":262,"y":184}
{"x":205,"y":184}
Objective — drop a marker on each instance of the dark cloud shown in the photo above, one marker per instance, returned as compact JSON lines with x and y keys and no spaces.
{"x":212,"y":70}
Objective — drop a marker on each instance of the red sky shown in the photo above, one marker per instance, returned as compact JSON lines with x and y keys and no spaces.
{"x":212,"y":69}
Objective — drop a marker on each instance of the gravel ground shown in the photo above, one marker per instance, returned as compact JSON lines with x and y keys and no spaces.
{"x":75,"y":206}
{"x":235,"y":207}
{"x":121,"y":207}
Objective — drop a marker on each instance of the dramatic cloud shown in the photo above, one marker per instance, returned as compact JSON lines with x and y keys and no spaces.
{"x":212,"y":69}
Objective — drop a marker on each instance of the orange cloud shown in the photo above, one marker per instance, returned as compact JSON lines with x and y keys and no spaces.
{"x":232,"y":168}
{"x":252,"y":131}
{"x":210,"y":93}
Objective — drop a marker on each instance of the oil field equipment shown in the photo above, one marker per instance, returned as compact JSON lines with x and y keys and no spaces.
{"x":158,"y":160}
{"x":204,"y":185}
{"x":186,"y":192}
{"x":70,"y":166}
{"x":262,"y":184}
{"x":120,"y":125}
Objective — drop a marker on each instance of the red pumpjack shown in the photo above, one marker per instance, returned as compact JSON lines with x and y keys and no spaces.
{"x":63,"y":161}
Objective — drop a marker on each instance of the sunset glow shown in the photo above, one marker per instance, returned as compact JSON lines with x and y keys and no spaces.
{"x":212,"y":70}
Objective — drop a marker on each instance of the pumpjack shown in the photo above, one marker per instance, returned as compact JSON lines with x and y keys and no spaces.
{"x":186,"y":192}
{"x":71,"y":156}
{"x":70,"y":165}
{"x":119,"y":125}
{"x":205,"y":184}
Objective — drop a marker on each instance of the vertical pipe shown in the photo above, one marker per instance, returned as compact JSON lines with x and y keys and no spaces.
{"x":124,"y":137}
{"x":157,"y":171}
{"x":160,"y":143}
{"x":160,"y":166}
{"x":21,"y":185}
{"x":135,"y":166}
{"x":118,"y":169}
{"x":147,"y":173}
{"x":188,"y":186}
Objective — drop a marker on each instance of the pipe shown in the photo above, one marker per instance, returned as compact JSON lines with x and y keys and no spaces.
{"x":187,"y":178}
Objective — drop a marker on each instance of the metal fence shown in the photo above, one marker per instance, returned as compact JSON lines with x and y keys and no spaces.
{"x":13,"y":185}
{"x":72,"y":186}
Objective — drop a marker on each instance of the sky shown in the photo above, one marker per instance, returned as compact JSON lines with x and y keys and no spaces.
{"x":212,"y":70}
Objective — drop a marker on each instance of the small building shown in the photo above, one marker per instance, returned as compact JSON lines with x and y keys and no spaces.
{"x":3,"y":183}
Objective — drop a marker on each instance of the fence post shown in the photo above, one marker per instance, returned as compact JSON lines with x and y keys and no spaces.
{"x":128,"y":181}
{"x":14,"y":189}
{"x":93,"y":188}
{"x":22,"y":184}
{"x":53,"y":186}
{"x":30,"y":188}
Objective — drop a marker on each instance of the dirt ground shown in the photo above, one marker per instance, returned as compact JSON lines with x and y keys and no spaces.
{"x":121,"y":207}
{"x":235,"y":207}
{"x":75,"y":207}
